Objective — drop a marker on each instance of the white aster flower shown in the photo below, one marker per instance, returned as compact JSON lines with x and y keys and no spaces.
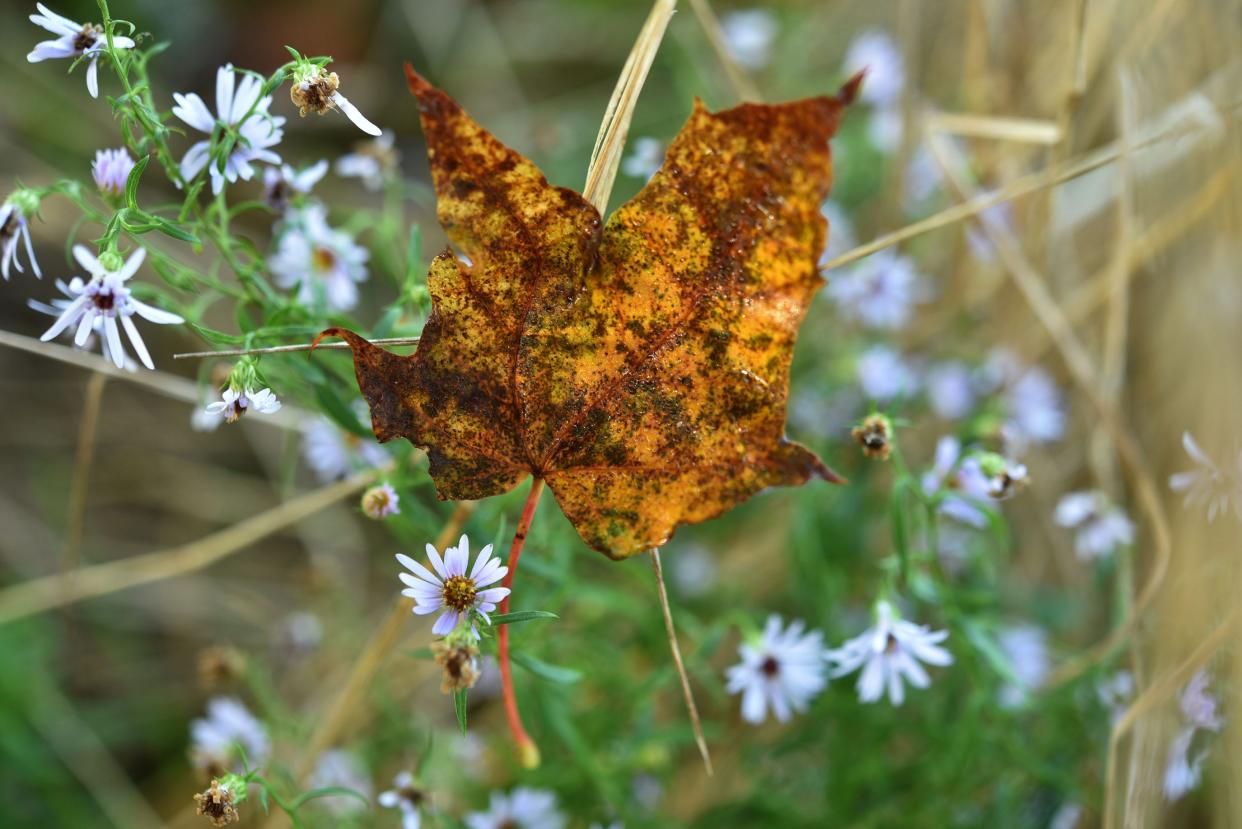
{"x":748,"y":36}
{"x":1066,"y":817}
{"x":324,"y":264}
{"x":878,"y":292}
{"x":106,"y":297}
{"x":407,"y":797}
{"x":111,"y":169}
{"x":281,"y":183}
{"x":449,"y":589}
{"x":340,"y":769}
{"x":885,"y":128}
{"x":381,"y":501}
{"x":239,"y":107}
{"x":841,"y":236}
{"x":371,"y":161}
{"x":1100,"y":527}
{"x":317,"y":90}
{"x":14,"y":228}
{"x":74,"y":40}
{"x":202,"y":420}
{"x":693,"y":570}
{"x":1183,"y":770}
{"x":334,"y":453}
{"x":963,"y":483}
{"x":523,"y":808}
{"x":646,"y":156}
{"x":889,"y":654}
{"x":950,"y":390}
{"x":1026,"y":648}
{"x":57,"y":306}
{"x":1208,"y":484}
{"x":877,"y":53}
{"x":236,"y":402}
{"x":783,"y":670}
{"x":884,"y":374}
{"x":228,"y":724}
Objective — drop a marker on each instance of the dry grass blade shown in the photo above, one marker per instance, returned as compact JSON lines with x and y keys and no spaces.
{"x":1022,"y":130}
{"x":87,"y":430}
{"x":671,"y":630}
{"x":610,"y":142}
{"x":743,"y":86}
{"x":42,"y":594}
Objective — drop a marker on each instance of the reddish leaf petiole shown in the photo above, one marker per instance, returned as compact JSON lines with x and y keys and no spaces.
{"x":528,"y":752}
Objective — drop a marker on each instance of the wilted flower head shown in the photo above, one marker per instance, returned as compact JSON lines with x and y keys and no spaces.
{"x":106,"y":299}
{"x":217,"y":804}
{"x":783,"y":670}
{"x":111,"y":169}
{"x":876,"y":52}
{"x":450,"y":590}
{"x":214,"y":739}
{"x":1099,"y":526}
{"x":241,"y":107}
{"x":459,"y":664}
{"x":324,"y":264}
{"x":1209,"y":484}
{"x":646,"y":156}
{"x":878,"y":292}
{"x":889,"y":654}
{"x":407,"y":797}
{"x":380,"y":501}
{"x":74,"y":40}
{"x":14,"y":228}
{"x":875,"y":436}
{"x":281,"y":184}
{"x":748,"y":36}
{"x":371,"y":161}
{"x":884,"y":374}
{"x":523,"y":808}
{"x":316,"y":90}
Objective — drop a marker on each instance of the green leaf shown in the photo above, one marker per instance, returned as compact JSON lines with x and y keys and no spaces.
{"x":386,"y":322}
{"x":211,"y":335}
{"x":131,"y":183}
{"x":521,"y":616}
{"x":459,"y":705}
{"x":541,"y":669}
{"x":176,"y":232}
{"x":326,"y":791}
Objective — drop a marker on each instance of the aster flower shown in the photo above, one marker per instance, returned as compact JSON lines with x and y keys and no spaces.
{"x":1115,"y":693}
{"x":14,"y":228}
{"x":1005,"y":478}
{"x":236,"y":402}
{"x":239,"y":107}
{"x":1066,"y":816}
{"x":1208,"y":484}
{"x":889,"y":654}
{"x":74,"y":40}
{"x":782,"y":670}
{"x":1026,"y":648}
{"x":371,"y":161}
{"x":1183,"y":771}
{"x":202,"y":420}
{"x":962,"y":482}
{"x":111,"y":169}
{"x":523,"y":808}
{"x":1099,"y":526}
{"x":748,"y":36}
{"x":1199,"y":707}
{"x":693,"y":570}
{"x":407,"y":797}
{"x":379,"y":502}
{"x":57,"y":306}
{"x":1030,"y":398}
{"x":876,"y":52}
{"x":878,"y":292}
{"x":1184,"y":767}
{"x":646,"y":156}
{"x":340,"y":769}
{"x":214,"y":739}
{"x":449,"y":589}
{"x":281,"y":183}
{"x":885,"y":128}
{"x":316,"y":90}
{"x":106,"y":297}
{"x":884,"y":374}
{"x":334,"y":453}
{"x":950,"y":390}
{"x":324,"y":264}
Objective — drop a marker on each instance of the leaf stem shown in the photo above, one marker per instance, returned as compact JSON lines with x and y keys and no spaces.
{"x":528,"y":752}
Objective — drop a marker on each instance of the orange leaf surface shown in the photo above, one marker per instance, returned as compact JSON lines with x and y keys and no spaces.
{"x":640,"y":368}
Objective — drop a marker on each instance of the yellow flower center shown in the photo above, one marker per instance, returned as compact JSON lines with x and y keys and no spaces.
{"x":459,"y":593}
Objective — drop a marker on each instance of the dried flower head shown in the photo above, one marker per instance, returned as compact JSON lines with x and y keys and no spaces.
{"x":459,"y":663}
{"x":315,"y":89}
{"x":216,"y":804}
{"x":875,"y":435}
{"x":220,"y":666}
{"x":379,"y":502}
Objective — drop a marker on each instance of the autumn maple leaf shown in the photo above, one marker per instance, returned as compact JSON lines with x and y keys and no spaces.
{"x":641,"y":369}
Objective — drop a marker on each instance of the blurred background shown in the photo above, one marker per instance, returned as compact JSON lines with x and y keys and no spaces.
{"x":1083,"y":330}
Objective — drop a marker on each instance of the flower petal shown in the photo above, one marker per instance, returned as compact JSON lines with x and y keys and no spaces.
{"x":354,"y":115}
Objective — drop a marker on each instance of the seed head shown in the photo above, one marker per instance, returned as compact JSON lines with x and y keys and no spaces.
{"x":220,"y":666}
{"x":315,"y":92}
{"x":459,"y":664}
{"x":874,"y":435}
{"x":217,"y":805}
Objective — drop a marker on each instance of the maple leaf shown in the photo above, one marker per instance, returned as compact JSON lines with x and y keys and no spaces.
{"x":642,"y":368}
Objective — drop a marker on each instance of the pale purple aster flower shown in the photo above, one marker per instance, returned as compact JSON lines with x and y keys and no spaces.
{"x":950,"y":390}
{"x":523,"y":808}
{"x":371,"y":161}
{"x":1199,"y":706}
{"x":241,"y":107}
{"x":884,"y":374}
{"x":407,"y":797}
{"x":841,"y":236}
{"x":646,"y":156}
{"x":324,"y":264}
{"x":1026,"y":648}
{"x":280,"y":184}
{"x":1099,"y":526}
{"x":1032,"y":402}
{"x":381,"y":501}
{"x":1115,"y":694}
{"x":1208,"y":484}
{"x":876,"y":52}
{"x":885,"y":128}
{"x":74,"y":40}
{"x":214,"y":739}
{"x":315,"y":89}
{"x":1066,"y":817}
{"x":449,"y":589}
{"x":236,"y":402}
{"x":782,"y":670}
{"x":879,"y":291}
{"x":963,"y":483}
{"x":889,"y":654}
{"x":15,"y":228}
{"x":106,"y":296}
{"x":71,"y":290}
{"x":334,"y":453}
{"x":340,"y":769}
{"x":748,"y":35}
{"x":111,"y":169}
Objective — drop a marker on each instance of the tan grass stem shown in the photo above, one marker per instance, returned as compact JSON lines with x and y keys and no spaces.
{"x":741,"y":82}
{"x":88,"y":428}
{"x":1020,"y":130}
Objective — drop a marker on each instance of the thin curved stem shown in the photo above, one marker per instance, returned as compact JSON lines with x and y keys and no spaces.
{"x":669,"y":629}
{"x":528,"y":752}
